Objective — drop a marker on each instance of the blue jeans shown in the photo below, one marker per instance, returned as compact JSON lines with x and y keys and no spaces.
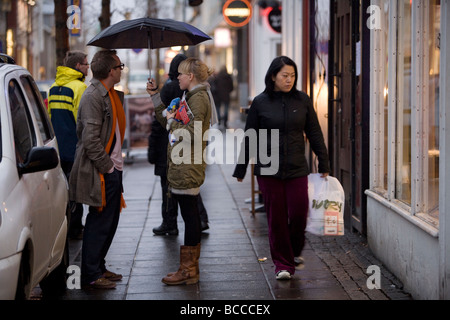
{"x":99,"y":230}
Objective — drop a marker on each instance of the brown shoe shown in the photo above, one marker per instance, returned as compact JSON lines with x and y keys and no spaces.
{"x":197,"y":249}
{"x":101,"y":283}
{"x":111,"y":276}
{"x":188,"y":273}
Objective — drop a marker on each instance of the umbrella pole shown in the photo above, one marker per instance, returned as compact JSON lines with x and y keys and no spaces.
{"x":149,"y":40}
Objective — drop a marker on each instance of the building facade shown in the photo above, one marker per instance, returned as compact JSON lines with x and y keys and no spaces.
{"x":383,"y":106}
{"x":407,"y":224}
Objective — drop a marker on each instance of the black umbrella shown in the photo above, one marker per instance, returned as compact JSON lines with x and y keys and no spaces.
{"x":148,"y":33}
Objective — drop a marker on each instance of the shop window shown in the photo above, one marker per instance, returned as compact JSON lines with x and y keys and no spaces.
{"x":405,"y":106}
{"x":432,"y":104}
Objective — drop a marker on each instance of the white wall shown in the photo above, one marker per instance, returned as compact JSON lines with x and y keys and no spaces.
{"x":292,"y":34}
{"x":262,"y":46}
{"x":409,"y":252}
{"x":444,"y":179}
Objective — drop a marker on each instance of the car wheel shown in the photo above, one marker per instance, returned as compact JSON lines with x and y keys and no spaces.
{"x":23,"y":281}
{"x":55,"y":283}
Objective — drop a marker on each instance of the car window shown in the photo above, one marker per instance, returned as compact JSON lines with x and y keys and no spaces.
{"x":37,"y":107}
{"x":24,"y":138}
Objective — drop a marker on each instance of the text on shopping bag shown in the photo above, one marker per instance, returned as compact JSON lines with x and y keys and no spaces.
{"x":332,"y":205}
{"x":326,"y":206}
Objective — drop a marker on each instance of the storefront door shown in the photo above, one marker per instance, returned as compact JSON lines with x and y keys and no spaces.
{"x":348,"y":109}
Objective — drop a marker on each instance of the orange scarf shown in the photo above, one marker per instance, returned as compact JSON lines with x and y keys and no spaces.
{"x":118,"y":114}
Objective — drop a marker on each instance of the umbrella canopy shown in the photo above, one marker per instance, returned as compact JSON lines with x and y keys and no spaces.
{"x":148,"y":33}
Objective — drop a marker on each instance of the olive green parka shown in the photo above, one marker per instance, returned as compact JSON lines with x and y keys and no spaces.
{"x":186,"y":165}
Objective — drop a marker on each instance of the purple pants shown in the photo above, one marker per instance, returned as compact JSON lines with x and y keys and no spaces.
{"x":286,"y":203}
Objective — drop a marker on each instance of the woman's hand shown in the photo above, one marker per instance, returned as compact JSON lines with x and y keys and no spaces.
{"x":170,"y":115}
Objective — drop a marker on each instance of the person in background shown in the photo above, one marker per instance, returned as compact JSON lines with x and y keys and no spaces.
{"x":63,"y":102}
{"x":96,"y":177}
{"x":285,"y":189}
{"x":157,"y":155}
{"x":186,"y":177}
{"x":224,"y":87}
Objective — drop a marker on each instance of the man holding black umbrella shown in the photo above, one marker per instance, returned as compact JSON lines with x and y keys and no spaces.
{"x":96,"y":177}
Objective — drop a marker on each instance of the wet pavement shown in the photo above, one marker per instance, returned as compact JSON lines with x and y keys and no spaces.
{"x":235,"y":262}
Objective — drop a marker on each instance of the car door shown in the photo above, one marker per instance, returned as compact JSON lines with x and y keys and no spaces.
{"x":30,"y":195}
{"x":55,"y":178}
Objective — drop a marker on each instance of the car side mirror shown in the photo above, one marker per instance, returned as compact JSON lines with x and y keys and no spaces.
{"x":39,"y":159}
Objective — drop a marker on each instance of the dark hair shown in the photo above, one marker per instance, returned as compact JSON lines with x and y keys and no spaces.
{"x":74,"y":57}
{"x":173,"y":69}
{"x":102,"y":62}
{"x":277,"y":64}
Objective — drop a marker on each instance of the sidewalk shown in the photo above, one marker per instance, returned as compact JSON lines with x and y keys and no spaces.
{"x":335,"y":267}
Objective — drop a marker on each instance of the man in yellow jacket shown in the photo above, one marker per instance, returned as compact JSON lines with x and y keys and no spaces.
{"x":64,"y":100}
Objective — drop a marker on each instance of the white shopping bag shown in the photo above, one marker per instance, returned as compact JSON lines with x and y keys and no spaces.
{"x":326,"y":206}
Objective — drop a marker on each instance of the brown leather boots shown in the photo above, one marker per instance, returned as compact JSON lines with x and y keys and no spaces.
{"x":188,"y":272}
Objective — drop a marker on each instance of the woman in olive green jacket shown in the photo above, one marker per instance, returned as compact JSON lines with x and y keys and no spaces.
{"x":186,"y":168}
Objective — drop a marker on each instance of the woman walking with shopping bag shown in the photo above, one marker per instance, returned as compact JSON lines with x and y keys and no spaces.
{"x":284,"y":109}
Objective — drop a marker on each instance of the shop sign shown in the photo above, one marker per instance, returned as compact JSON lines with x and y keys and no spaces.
{"x":237,"y":13}
{"x":274,"y":19}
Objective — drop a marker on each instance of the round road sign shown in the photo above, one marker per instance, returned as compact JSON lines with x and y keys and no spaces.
{"x":237,"y":13}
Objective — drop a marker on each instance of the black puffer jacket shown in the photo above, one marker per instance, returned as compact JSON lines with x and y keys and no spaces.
{"x":171,"y":88}
{"x":294,"y":116}
{"x":158,"y":138}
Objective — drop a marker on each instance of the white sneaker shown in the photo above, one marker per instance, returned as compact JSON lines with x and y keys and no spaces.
{"x":299,"y":263}
{"x":283,"y":275}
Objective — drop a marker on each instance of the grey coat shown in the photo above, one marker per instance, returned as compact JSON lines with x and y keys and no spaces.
{"x":94,"y":127}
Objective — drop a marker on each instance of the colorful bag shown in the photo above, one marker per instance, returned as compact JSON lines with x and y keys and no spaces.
{"x":326,"y":206}
{"x":184,"y":114}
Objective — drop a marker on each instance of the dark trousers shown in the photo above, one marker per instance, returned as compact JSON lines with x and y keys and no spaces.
{"x":226,"y":107}
{"x":286,"y":203}
{"x":191,"y":217}
{"x":100,"y":229}
{"x":169,"y":207}
{"x":202,"y":210}
{"x":76,"y":213}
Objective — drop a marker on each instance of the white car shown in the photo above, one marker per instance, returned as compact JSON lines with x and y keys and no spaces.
{"x":33,"y":191}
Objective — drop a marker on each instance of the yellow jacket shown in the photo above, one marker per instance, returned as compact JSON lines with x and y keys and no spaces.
{"x":63,"y":102}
